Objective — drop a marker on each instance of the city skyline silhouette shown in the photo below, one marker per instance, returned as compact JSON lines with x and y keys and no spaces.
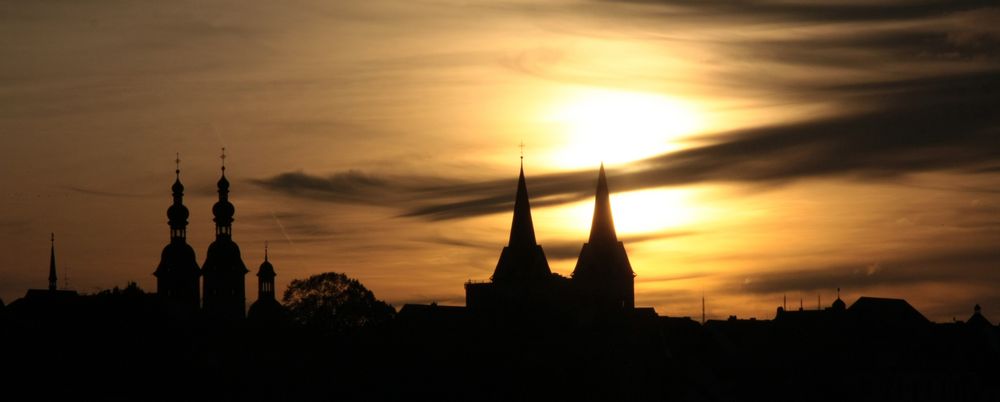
{"x":525,"y":333}
{"x":500,"y":200}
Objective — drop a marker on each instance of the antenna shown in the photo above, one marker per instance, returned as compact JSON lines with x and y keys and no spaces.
{"x":800,"y":304}
{"x":784,"y":301}
{"x":838,"y":293}
{"x":265,"y":250}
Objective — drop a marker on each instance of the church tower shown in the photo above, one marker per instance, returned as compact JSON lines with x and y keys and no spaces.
{"x":224,"y":271}
{"x":178,"y":272}
{"x":603,"y":275}
{"x":522,"y":282}
{"x":266,"y":309}
{"x":522,"y":260}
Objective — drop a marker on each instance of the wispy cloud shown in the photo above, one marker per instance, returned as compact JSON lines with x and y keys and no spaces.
{"x":945,"y":123}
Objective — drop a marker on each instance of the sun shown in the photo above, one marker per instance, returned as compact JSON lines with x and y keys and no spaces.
{"x":617,"y":127}
{"x":635,"y":212}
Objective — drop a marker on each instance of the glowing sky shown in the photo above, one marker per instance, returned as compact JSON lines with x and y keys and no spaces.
{"x":756,"y":149}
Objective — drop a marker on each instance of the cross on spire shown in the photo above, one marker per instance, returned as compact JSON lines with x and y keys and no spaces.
{"x":522,"y":150}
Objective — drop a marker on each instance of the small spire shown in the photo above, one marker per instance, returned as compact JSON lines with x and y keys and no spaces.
{"x":178,"y":162}
{"x":53,"y":280}
{"x":265,"y":250}
{"x":223,"y":157}
{"x":838,"y":293}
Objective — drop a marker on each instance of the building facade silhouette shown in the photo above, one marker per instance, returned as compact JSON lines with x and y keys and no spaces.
{"x":217,"y":288}
{"x":522,"y":282}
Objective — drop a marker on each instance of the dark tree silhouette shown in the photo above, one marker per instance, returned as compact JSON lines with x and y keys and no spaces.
{"x":333,"y":302}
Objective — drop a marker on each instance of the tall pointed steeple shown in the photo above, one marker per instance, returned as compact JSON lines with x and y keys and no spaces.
{"x":522,"y":259}
{"x":53,"y":280}
{"x":178,"y":273}
{"x":522,"y":230}
{"x":603,"y":273}
{"x":602,"y":229}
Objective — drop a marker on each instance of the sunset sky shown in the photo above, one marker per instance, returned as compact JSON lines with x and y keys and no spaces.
{"x":755,"y":149}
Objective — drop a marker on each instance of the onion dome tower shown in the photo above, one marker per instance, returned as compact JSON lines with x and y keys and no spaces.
{"x":266,"y":309}
{"x":603,"y":275}
{"x":223,"y":270}
{"x":178,"y":273}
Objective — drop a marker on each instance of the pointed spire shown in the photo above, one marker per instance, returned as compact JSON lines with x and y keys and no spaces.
{"x":602,"y":230}
{"x":52,"y":263}
{"x":703,"y":308}
{"x":265,"y":251}
{"x":522,"y":229}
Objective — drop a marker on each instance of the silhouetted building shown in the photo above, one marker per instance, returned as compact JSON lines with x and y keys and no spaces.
{"x":50,"y":302}
{"x":266,"y":309}
{"x":522,"y":281}
{"x":603,"y":274}
{"x":877,"y":312}
{"x":977,"y":320}
{"x":178,"y":273}
{"x":224,"y":271}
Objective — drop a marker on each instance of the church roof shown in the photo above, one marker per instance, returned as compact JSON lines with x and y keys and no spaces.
{"x":223,"y":255}
{"x":177,"y":257}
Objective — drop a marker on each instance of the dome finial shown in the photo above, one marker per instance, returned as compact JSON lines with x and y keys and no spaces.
{"x":223,"y":157}
{"x":178,"y":162}
{"x":265,"y":250}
